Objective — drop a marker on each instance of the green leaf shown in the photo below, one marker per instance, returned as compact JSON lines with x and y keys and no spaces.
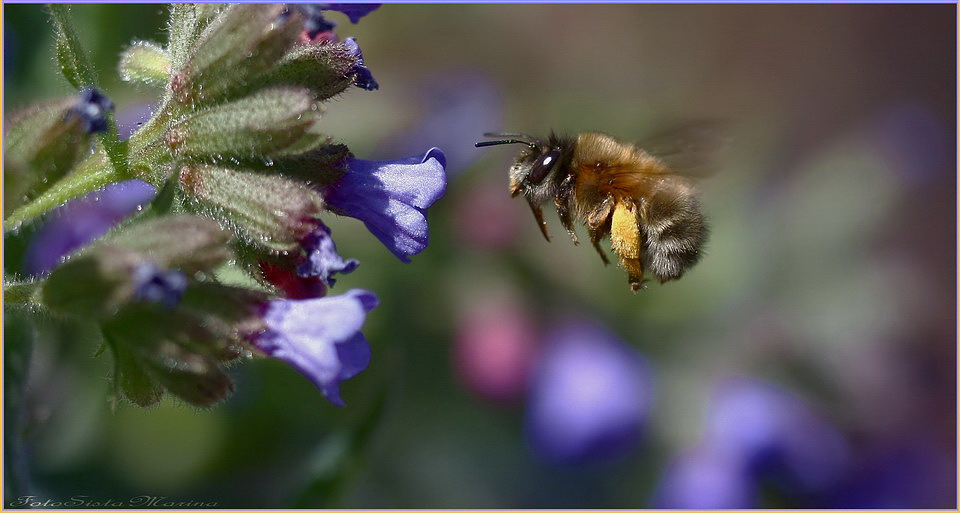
{"x":70,"y":55}
{"x":145,"y":63}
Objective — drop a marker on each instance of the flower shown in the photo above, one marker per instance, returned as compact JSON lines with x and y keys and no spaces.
{"x":319,"y":337}
{"x":353,"y":11}
{"x":776,"y":434}
{"x":706,"y":478}
{"x":495,"y":348}
{"x":156,"y":285}
{"x":755,"y":433}
{"x":92,"y":107}
{"x":82,"y":220}
{"x":322,"y":258}
{"x":307,"y":275}
{"x":315,"y":24}
{"x":362,"y":77}
{"x":391,"y":198}
{"x":589,"y":397}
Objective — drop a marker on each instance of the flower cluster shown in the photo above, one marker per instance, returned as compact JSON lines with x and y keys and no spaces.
{"x":231,"y":169}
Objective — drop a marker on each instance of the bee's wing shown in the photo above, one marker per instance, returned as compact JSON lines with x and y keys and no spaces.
{"x":693,"y":149}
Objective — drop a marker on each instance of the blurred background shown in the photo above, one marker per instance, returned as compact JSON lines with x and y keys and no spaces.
{"x":809,"y":360}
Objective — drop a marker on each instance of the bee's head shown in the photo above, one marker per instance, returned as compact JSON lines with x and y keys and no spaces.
{"x":538,"y":161}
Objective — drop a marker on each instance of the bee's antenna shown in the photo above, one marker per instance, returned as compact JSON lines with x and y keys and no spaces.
{"x":504,"y":141}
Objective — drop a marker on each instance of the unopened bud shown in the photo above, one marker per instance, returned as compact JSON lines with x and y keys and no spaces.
{"x":266,"y":210}
{"x":241,"y":42}
{"x":272,"y":122}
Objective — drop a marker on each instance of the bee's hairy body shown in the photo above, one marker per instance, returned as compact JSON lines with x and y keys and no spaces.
{"x":652,"y":215}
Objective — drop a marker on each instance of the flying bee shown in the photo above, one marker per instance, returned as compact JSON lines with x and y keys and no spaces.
{"x":650,"y":211}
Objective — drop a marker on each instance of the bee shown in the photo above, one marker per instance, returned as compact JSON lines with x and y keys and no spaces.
{"x":650,"y":210}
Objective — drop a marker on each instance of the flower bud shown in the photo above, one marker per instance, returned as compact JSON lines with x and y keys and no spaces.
{"x":268,"y":210}
{"x":117,"y":271}
{"x":41,"y":146}
{"x":145,"y":63}
{"x":171,"y":349}
{"x":272,"y":122}
{"x":326,"y":69}
{"x":184,"y":242}
{"x":243,"y":41}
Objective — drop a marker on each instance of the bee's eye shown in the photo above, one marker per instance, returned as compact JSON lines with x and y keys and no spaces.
{"x":542,"y":168}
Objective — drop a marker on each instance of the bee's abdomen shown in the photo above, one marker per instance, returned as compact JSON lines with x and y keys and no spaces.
{"x":675,"y":231}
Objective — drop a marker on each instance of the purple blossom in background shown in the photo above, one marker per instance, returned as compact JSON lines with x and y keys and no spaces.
{"x":320,"y":337}
{"x":362,"y":77}
{"x":80,"y":221}
{"x":391,"y":198}
{"x":322,"y":258}
{"x":755,"y":434}
{"x":706,"y":478}
{"x":777,"y":435}
{"x":155,"y":285}
{"x":589,"y":398}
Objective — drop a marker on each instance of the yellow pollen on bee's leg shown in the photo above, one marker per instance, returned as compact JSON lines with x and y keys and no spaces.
{"x":625,"y":241}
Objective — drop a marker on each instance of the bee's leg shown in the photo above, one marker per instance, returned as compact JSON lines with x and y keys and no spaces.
{"x":598,"y":224}
{"x":627,"y":241}
{"x":563,"y":206}
{"x":538,"y":214}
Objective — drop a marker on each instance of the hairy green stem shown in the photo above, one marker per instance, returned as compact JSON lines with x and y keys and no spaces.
{"x":93,"y":173}
{"x":23,"y":293}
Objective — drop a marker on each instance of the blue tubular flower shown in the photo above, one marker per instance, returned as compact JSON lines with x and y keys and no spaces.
{"x":82,"y":220}
{"x":589,"y":398}
{"x":390,"y":197}
{"x":322,"y":258}
{"x":362,"y":77}
{"x":320,"y":337}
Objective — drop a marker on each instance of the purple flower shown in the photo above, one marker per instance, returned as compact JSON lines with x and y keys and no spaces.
{"x":322,"y":258}
{"x":82,"y":220}
{"x":156,"y":285}
{"x":314,"y":23}
{"x":353,"y":11}
{"x":362,"y":77}
{"x":391,"y":198}
{"x":92,"y":107}
{"x":755,"y":433}
{"x":320,"y":337}
{"x":706,"y":478}
{"x":777,"y":435}
{"x":589,"y":397}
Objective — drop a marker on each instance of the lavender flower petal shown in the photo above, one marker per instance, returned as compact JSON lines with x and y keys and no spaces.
{"x":320,"y":337}
{"x":322,"y":257}
{"x":362,"y":77}
{"x":391,"y":197}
